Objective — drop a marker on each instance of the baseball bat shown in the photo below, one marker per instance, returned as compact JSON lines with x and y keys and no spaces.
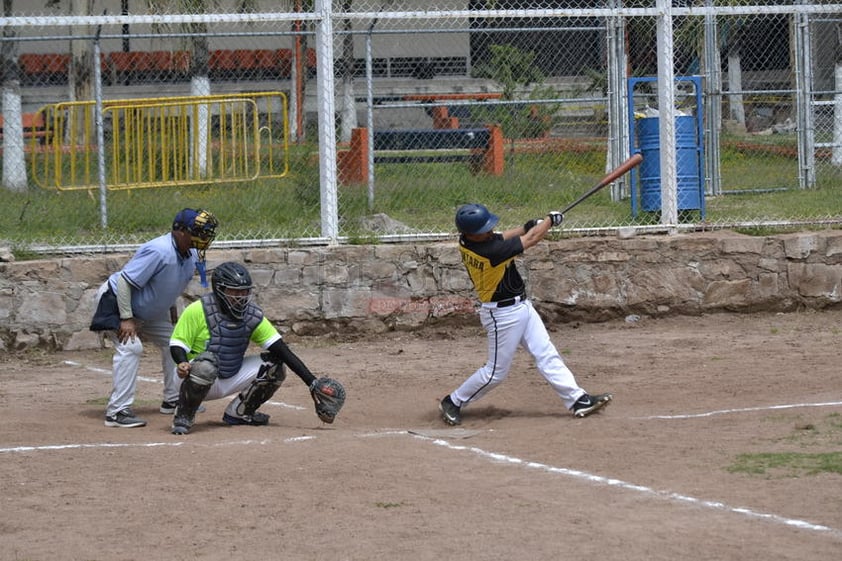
{"x":612,"y":175}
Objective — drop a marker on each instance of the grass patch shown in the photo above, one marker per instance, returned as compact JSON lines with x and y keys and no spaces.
{"x":388,"y":505}
{"x":825,"y":433}
{"x":788,"y":464}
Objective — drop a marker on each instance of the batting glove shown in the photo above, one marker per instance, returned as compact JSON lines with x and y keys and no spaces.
{"x":556,"y":217}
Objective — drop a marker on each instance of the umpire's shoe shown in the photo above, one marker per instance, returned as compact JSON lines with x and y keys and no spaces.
{"x":588,"y":404}
{"x":124,"y":419}
{"x":450,"y":412}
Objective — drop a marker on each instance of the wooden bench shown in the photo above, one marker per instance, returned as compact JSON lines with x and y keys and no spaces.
{"x":34,"y":127}
{"x":485,"y":146}
{"x":439,"y":110}
{"x":441,"y":113}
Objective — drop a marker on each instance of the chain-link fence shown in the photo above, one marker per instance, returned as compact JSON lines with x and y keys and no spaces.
{"x":386,"y":115}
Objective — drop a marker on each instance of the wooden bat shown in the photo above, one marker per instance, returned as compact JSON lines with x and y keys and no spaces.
{"x":612,"y":175}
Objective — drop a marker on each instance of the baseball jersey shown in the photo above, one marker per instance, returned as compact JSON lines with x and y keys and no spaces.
{"x":158,"y":275}
{"x":491,"y":266}
{"x":191,"y":333}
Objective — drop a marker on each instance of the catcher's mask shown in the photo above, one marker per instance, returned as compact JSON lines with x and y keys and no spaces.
{"x":475,"y":219}
{"x":232,"y":286}
{"x":200,"y":224}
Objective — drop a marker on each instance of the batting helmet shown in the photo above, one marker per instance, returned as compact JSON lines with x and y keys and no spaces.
{"x":475,"y":219}
{"x":231,"y":275}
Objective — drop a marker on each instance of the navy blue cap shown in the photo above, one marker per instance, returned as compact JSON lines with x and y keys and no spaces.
{"x":185,"y":219}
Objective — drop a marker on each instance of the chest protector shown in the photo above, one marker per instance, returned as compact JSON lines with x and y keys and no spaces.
{"x":229,"y":338}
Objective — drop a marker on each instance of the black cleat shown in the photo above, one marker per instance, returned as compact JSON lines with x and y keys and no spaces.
{"x":588,"y":404}
{"x":450,"y":413}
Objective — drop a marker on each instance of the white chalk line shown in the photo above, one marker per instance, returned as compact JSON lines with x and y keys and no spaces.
{"x":494,"y":456}
{"x":742,"y":410}
{"x":91,"y":368}
{"x":53,"y":447}
{"x":617,"y":483}
{"x":668,"y":495}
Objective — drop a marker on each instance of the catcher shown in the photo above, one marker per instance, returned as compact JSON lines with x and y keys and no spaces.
{"x":209,"y":343}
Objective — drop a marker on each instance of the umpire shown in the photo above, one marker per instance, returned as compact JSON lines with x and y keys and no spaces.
{"x":137,"y":303}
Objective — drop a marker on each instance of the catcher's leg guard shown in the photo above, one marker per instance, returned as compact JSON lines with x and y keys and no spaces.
{"x":194,"y":388}
{"x":190,"y":396}
{"x":263,"y":387}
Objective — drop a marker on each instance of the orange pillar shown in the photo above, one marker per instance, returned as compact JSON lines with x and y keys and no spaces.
{"x":493,"y":157}
{"x":442,"y":118}
{"x":352,"y":164}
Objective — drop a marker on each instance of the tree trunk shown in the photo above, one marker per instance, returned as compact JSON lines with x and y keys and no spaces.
{"x":14,"y":158}
{"x":200,"y":86}
{"x":80,"y":73}
{"x":349,"y":106}
{"x":736,"y":107}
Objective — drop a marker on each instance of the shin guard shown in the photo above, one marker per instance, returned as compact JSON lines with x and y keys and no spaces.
{"x":190,"y":396}
{"x":263,"y":387}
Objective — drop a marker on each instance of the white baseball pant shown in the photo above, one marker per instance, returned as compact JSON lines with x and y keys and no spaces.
{"x":509,"y":328}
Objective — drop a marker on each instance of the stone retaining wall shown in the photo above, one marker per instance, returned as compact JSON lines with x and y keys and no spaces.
{"x":377,"y":288}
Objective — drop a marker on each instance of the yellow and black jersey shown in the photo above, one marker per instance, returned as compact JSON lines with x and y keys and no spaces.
{"x":491,"y":266}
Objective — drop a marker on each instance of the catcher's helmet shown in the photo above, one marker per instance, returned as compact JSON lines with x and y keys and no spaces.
{"x":475,"y":219}
{"x":200,"y":224}
{"x":231,"y":275}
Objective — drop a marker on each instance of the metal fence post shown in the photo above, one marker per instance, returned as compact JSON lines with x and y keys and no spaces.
{"x":327,"y":129}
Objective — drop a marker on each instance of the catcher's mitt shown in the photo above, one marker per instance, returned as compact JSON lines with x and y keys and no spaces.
{"x":329,"y":396}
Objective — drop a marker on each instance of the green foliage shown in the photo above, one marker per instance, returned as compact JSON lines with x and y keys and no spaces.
{"x":515,"y":71}
{"x":511,"y":68}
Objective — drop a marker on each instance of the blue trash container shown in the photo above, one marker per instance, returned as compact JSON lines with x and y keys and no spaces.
{"x":687,"y":163}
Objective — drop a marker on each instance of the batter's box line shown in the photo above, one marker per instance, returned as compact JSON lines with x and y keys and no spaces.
{"x":741,"y":410}
{"x":640,"y":489}
{"x":174,"y":444}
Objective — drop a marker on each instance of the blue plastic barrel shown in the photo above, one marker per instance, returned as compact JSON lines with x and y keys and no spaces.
{"x":686,"y":165}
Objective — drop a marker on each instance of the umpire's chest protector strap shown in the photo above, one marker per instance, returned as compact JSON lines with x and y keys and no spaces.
{"x":229,"y":339}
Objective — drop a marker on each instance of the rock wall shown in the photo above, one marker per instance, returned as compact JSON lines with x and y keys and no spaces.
{"x":377,"y":288}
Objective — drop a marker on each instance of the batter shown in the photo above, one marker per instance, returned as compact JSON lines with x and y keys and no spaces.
{"x":507,"y":315}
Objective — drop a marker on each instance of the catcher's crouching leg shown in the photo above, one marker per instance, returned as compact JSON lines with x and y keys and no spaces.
{"x":243,"y":409}
{"x":193,"y":390}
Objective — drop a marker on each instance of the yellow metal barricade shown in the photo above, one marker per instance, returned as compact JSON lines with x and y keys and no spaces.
{"x":168,"y":141}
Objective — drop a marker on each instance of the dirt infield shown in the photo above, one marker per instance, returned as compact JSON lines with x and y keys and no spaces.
{"x":645,"y":480}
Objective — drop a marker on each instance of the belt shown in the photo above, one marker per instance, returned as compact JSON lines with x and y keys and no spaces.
{"x":508,"y":302}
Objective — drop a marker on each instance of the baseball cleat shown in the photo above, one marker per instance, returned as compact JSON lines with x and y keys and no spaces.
{"x":181,"y":424}
{"x":588,"y":404}
{"x":450,"y":412}
{"x":255,"y":419}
